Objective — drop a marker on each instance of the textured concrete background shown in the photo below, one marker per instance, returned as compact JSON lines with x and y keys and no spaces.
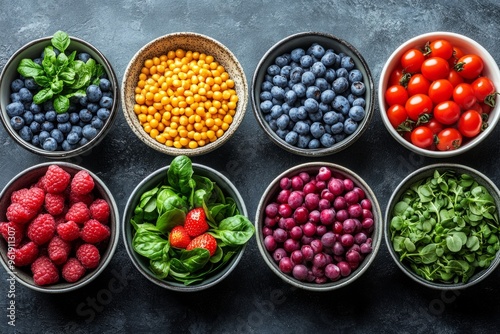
{"x":252,"y":299}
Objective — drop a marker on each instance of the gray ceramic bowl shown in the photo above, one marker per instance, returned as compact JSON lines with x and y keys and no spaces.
{"x":187,"y":41}
{"x":142,"y":263}
{"x":421,"y":174}
{"x":468,"y":45}
{"x":304,"y":40}
{"x":33,"y":50}
{"x":270,"y":194}
{"x":30,"y":176}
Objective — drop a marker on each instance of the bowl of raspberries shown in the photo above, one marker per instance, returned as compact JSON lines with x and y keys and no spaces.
{"x":58,"y":96}
{"x":58,"y":227}
{"x":313,"y":94}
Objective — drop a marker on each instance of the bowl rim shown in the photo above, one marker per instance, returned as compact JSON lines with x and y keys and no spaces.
{"x":415,"y":41}
{"x":209,"y":147}
{"x":376,"y":234}
{"x":127,"y":227}
{"x":401,"y":187}
{"x":111,"y":248}
{"x":75,"y":43}
{"x":337,"y":147}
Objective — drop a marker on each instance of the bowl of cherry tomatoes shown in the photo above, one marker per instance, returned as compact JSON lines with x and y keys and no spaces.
{"x":438,"y":94}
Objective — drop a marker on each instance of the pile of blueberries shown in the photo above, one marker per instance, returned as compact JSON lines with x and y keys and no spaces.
{"x":42,"y":127}
{"x":313,"y":98}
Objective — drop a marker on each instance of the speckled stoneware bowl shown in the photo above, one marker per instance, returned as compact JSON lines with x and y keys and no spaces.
{"x":30,"y":176}
{"x":33,"y":50}
{"x":304,"y":40}
{"x":187,"y":41}
{"x":142,"y":264}
{"x":270,"y":194}
{"x":421,"y":174}
{"x":468,"y":45}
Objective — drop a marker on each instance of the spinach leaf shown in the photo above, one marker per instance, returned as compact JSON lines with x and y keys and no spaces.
{"x":179,"y":174}
{"x":169,"y":219}
{"x":235,"y":230}
{"x":149,"y":242}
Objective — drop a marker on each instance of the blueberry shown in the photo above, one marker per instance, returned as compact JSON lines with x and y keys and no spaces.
{"x":296,"y":54}
{"x":35,"y":141}
{"x":83,"y":101}
{"x":40,"y":118}
{"x":327,"y":96}
{"x":282,"y":133}
{"x":347,"y":63}
{"x":265,"y":96}
{"x":72,"y":138}
{"x":330,"y":75}
{"x":290,"y":97}
{"x":317,"y":129}
{"x":15,"y":109}
{"x":89,"y":132}
{"x":350,"y":126}
{"x":97,"y":123}
{"x":35,"y":108}
{"x":48,"y":105}
{"x":316,"y":50}
{"x":93,"y":107}
{"x":283,"y":121}
{"x":355,"y":75}
{"x":266,"y":86}
{"x":25,"y":95}
{"x":43,"y":135}
{"x":50,"y":116}
{"x":15,"y":97}
{"x":296,"y":74}
{"x":322,"y":84}
{"x":74,"y":118}
{"x":329,"y":59}
{"x":294,"y":114}
{"x":342,"y":72}
{"x":49,"y":144}
{"x":83,"y":56}
{"x":276,"y":111}
{"x":318,"y":69}
{"x":278,"y":93}
{"x":299,"y":89}
{"x":30,"y":84}
{"x":316,"y":117}
{"x":314,"y":144}
{"x":359,"y":102}
{"x":324,"y":107}
{"x":281,"y":60}
{"x":327,"y":140}
{"x":28,"y":117}
{"x":77,"y":129}
{"x":292,"y":137}
{"x":83,"y":141}
{"x":339,"y":137}
{"x":272,"y":123}
{"x":308,"y":78}
{"x":302,"y":113}
{"x":285,"y":71}
{"x":16,"y":85}
{"x":340,"y":85}
{"x":330,"y":118}
{"x":341,"y":104}
{"x":35,"y":127}
{"x":306,"y":61}
{"x":303,"y":141}
{"x":38,"y":61}
{"x":273,"y":70}
{"x":266,"y":106}
{"x":301,"y":127}
{"x":104,"y":85}
{"x":64,"y":127}
{"x":25,"y":133}
{"x":94,"y":93}
{"x":66,"y":146}
{"x":47,"y":126}
{"x":57,"y":135}
{"x":106,"y":102}
{"x":357,"y":113}
{"x":311,"y":105}
{"x":358,"y":88}
{"x":280,"y":81}
{"x":17,"y":123}
{"x":313,"y":92}
{"x":85,"y":115}
{"x":62,"y":117}
{"x":337,"y":128}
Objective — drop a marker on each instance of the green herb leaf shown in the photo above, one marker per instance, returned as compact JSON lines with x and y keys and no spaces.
{"x":60,"y":41}
{"x":43,"y":95}
{"x":235,"y":230}
{"x":29,"y":69}
{"x":61,"y":104}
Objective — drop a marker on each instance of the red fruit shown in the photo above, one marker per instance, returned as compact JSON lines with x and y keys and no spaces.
{"x":58,"y":250}
{"x":25,"y":255}
{"x":18,"y":195}
{"x":93,"y":232}
{"x":12,"y":233}
{"x":206,"y":241}
{"x":88,"y":255}
{"x":44,"y":271}
{"x":179,"y":237}
{"x":82,"y":183}
{"x":56,"y":179}
{"x":33,"y":199}
{"x":68,"y":231}
{"x":41,"y":229}
{"x":78,"y":212}
{"x":99,"y":210}
{"x":85,"y":198}
{"x":18,"y":214}
{"x":196,"y":222}
{"x":54,"y":204}
{"x":72,"y":270}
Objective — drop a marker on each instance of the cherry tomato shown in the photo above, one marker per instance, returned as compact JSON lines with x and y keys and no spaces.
{"x":417,"y":105}
{"x":412,"y":60}
{"x":470,"y":123}
{"x":395,"y":77}
{"x":397,"y":115}
{"x":454,"y":77}
{"x":396,"y":94}
{"x":457,"y":54}
{"x":447,"y":112}
{"x":422,"y":137}
{"x":486,"y":108}
{"x":463,"y":94}
{"x":440,"y":90}
{"x":449,"y":139}
{"x":469,"y":66}
{"x":435,"y":68}
{"x":435,"y":126}
{"x":418,"y":84}
{"x":441,"y":48}
{"x":477,"y":107}
{"x":483,"y":87}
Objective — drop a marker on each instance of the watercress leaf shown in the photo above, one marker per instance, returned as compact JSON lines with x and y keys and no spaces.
{"x":61,"y":104}
{"x":60,"y":41}
{"x":195,"y":259}
{"x":428,"y":253}
{"x":148,"y":244}
{"x":398,"y":243}
{"x":29,"y":69}
{"x":400,"y":208}
{"x":235,"y":230}
{"x":169,"y":219}
{"x":409,"y":245}
{"x":397,"y":223}
{"x":180,"y":173}
{"x":453,"y":243}
{"x":43,"y":95}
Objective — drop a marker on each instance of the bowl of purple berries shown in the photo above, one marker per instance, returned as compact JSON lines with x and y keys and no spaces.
{"x":313,"y":94}
{"x":318,"y":226}
{"x":58,"y":96}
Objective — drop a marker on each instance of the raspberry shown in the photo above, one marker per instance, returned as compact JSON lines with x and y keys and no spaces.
{"x":85,"y":198}
{"x":12,"y":233}
{"x":18,"y":214}
{"x":54,"y":204}
{"x":56,"y":179}
{"x":82,"y":183}
{"x":68,"y":231}
{"x":58,"y":250}
{"x":32,"y":199}
{"x":17,"y":195}
{"x":72,"y":270}
{"x":93,"y":232}
{"x":44,"y":271}
{"x":41,"y":229}
{"x":78,"y":212}
{"x":88,"y":255}
{"x":99,"y":210}
{"x":24,"y":255}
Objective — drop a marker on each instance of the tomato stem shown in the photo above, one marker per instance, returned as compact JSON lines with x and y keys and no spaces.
{"x":491,"y":99}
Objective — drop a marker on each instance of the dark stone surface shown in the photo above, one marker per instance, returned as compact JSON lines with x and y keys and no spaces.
{"x":252,"y":299}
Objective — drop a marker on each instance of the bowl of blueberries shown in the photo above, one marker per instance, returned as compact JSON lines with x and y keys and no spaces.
{"x":313,"y":94}
{"x":58,"y":96}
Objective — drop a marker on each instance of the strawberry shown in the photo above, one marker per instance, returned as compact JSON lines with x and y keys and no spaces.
{"x":179,"y":237}
{"x":196,"y":222}
{"x":206,"y":241}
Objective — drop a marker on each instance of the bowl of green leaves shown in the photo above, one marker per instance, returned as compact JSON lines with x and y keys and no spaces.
{"x":185,"y":226}
{"x":442,"y":226}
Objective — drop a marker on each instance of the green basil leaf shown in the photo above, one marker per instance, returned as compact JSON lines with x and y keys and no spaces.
{"x":42,"y":81}
{"x":29,"y":69}
{"x":60,"y":41}
{"x":61,"y":104}
{"x":68,"y":76}
{"x":56,"y":86}
{"x":61,"y":61}
{"x":82,"y":75}
{"x":49,"y":61}
{"x":43,"y":95}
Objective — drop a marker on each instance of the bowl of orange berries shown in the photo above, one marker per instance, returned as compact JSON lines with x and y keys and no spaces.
{"x":184,"y":93}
